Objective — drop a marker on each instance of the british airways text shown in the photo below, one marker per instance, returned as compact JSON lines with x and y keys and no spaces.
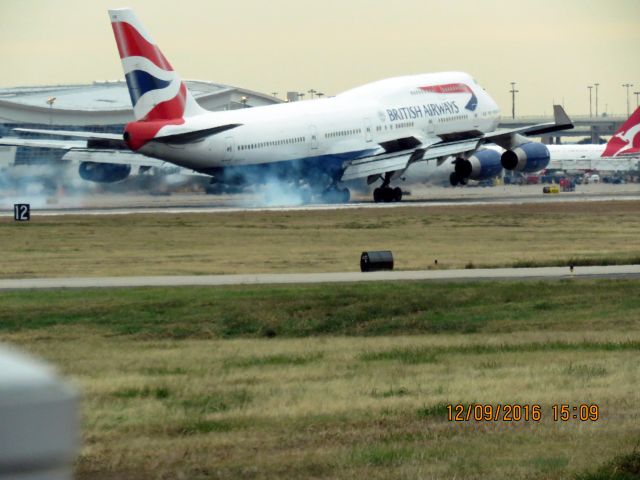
{"x":421,"y":111}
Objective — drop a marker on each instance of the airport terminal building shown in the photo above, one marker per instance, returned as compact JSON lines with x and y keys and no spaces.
{"x":98,"y":107}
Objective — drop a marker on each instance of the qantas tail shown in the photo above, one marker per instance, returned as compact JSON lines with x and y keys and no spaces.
{"x":626,"y":140}
{"x":157,"y":93}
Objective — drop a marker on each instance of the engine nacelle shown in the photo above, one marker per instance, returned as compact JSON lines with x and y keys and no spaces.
{"x":529,"y":157}
{"x":103,"y":172}
{"x":482,"y":165}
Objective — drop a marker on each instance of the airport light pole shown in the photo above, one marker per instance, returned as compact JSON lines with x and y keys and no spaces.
{"x":275,"y":94}
{"x":590,"y":87}
{"x":301,"y":95}
{"x":513,"y":99}
{"x":50,"y":101}
{"x":596,"y":85}
{"x":627,"y":86}
{"x":637,"y":102}
{"x":311,"y":92}
{"x":320,"y":94}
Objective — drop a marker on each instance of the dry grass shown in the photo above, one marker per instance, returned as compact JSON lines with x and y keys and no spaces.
{"x":322,"y":407}
{"x":253,"y":242}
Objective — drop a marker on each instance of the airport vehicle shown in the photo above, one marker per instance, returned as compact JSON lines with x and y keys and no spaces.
{"x":374,"y":131}
{"x":620,"y":153}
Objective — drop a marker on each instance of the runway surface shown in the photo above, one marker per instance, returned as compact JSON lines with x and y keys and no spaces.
{"x":545,"y":273}
{"x":123,"y":204}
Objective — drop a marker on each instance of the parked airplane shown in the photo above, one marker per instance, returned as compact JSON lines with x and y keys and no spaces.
{"x":374,"y":131}
{"x":620,"y":153}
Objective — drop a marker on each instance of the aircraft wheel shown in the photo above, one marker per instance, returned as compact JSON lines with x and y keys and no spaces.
{"x":388,"y":195}
{"x":397,"y":194}
{"x":453,"y":179}
{"x":377,"y":195}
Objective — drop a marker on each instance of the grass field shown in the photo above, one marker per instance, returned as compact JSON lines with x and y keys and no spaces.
{"x":322,"y":241}
{"x":344,"y":381}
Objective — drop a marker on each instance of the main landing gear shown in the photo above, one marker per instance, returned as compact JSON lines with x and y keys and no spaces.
{"x":385,"y":193}
{"x":456,"y":179}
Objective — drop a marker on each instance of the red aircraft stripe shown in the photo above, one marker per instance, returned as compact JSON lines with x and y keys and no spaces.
{"x":132,"y":44}
{"x":448,"y":88}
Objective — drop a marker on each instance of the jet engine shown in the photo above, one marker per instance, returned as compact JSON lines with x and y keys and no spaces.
{"x":103,"y":172}
{"x":482,"y":165}
{"x":528,"y":157}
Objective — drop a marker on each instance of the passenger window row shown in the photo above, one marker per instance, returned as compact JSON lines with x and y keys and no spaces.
{"x":272,"y":143}
{"x":343,"y":133}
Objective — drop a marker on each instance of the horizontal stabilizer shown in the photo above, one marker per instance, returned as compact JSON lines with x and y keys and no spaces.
{"x":40,"y":143}
{"x":69,"y":133}
{"x":114,"y":157}
{"x":194,"y":136}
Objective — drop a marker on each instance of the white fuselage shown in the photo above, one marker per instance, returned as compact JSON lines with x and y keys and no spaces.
{"x":351,"y":125}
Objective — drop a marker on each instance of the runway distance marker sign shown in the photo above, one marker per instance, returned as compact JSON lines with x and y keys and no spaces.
{"x":22,"y":212}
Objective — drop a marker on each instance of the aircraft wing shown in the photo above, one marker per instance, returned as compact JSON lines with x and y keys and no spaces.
{"x":417,"y":150}
{"x":508,"y":138}
{"x":77,"y":150}
{"x":399,"y":161}
{"x":69,"y":133}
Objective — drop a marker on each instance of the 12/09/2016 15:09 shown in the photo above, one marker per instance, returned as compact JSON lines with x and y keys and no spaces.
{"x":521,"y":412}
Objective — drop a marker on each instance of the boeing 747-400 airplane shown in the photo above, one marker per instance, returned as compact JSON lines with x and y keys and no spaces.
{"x":374,"y":131}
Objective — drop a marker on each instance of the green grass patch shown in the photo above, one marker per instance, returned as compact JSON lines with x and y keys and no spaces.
{"x":381,"y":455}
{"x":623,"y":467}
{"x":216,"y":402}
{"x":584,"y":371}
{"x":410,"y":355}
{"x":159,"y":371}
{"x":391,"y":392}
{"x":417,"y":355}
{"x":200,"y":426}
{"x":369,"y":309}
{"x":159,"y":393}
{"x":274,"y":360}
{"x":438,"y":411}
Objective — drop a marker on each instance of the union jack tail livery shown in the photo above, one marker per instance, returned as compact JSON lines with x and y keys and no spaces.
{"x":157,"y":93}
{"x":626,"y":141}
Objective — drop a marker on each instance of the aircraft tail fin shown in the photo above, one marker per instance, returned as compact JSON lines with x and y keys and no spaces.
{"x":626,"y":140}
{"x":156,"y":90}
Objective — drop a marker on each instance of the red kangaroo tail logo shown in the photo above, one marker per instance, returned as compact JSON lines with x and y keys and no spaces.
{"x":626,"y":140}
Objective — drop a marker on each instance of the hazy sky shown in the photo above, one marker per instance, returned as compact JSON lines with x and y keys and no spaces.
{"x":553,"y":49}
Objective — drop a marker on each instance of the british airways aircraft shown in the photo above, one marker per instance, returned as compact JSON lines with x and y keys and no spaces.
{"x":373,"y":132}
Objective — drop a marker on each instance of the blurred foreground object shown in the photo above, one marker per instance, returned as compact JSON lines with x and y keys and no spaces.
{"x":38,"y":420}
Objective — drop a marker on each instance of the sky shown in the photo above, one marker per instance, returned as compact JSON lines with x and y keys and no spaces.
{"x":552,"y":49}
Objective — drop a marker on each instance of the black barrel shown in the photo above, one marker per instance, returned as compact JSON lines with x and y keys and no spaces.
{"x":374,"y":261}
